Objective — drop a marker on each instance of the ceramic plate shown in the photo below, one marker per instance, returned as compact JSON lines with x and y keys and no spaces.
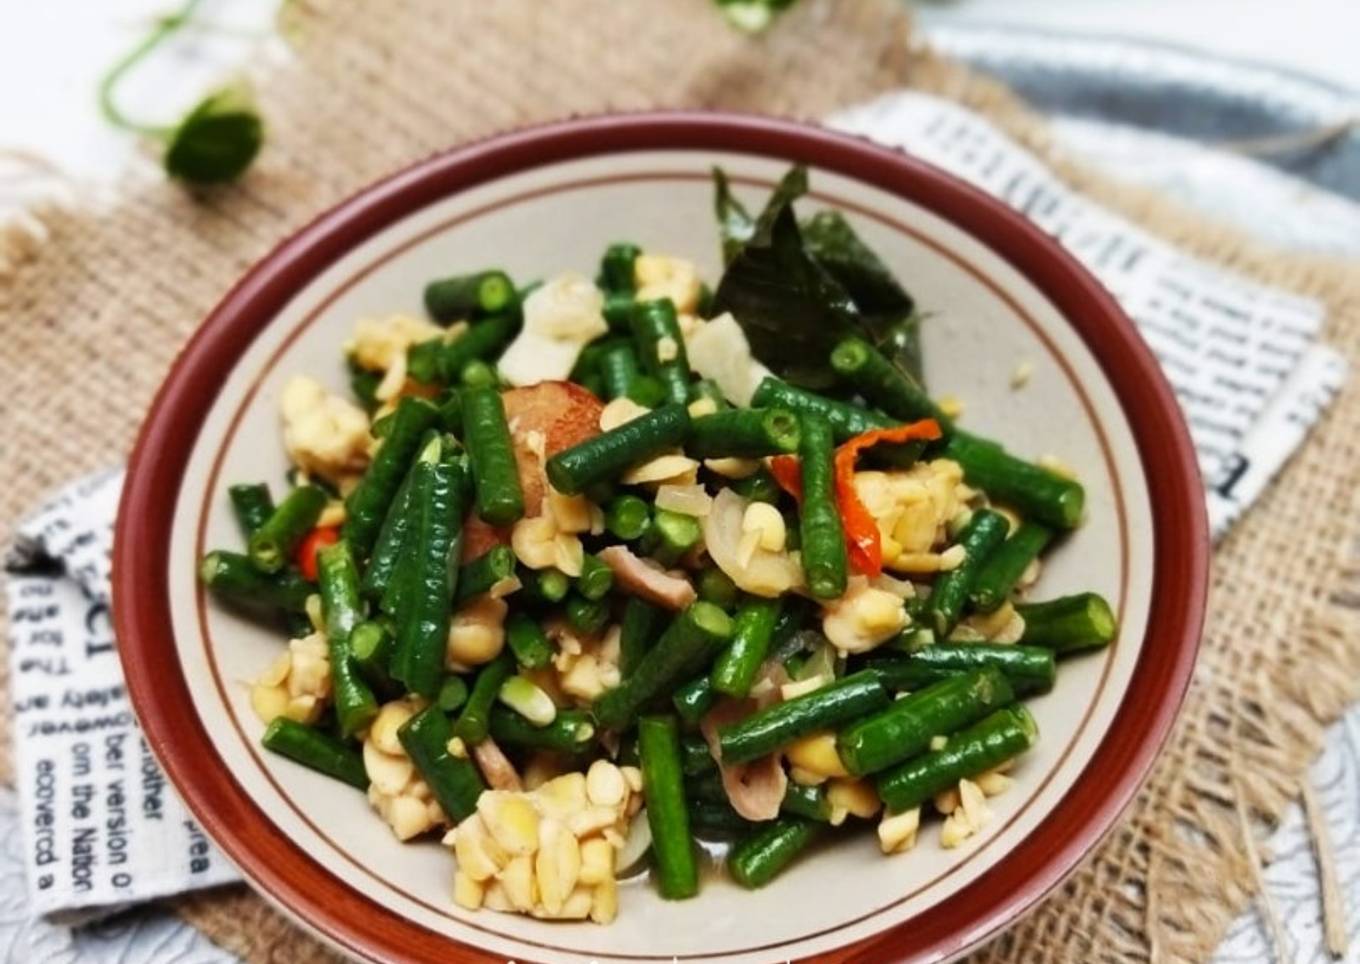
{"x":551,"y":198}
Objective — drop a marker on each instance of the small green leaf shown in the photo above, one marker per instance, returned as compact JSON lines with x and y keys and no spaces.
{"x":217,"y":140}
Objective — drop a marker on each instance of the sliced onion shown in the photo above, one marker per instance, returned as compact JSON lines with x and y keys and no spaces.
{"x":686,"y":499}
{"x":768,"y":573}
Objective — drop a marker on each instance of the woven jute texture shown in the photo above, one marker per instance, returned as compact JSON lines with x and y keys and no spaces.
{"x":92,"y":320}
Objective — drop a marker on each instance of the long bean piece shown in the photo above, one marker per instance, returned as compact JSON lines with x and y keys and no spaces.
{"x":1029,"y":669}
{"x":272,"y":545}
{"x":661,"y":347}
{"x":389,"y":548}
{"x":500,"y":499}
{"x":820,"y":530}
{"x":993,"y":583}
{"x":1038,"y":493}
{"x":355,"y":704}
{"x":527,"y":641}
{"x":481,"y":575}
{"x":474,"y":721}
{"x":752,"y":630}
{"x":758,"y":858}
{"x":765,"y":731}
{"x":868,"y":370}
{"x":1069,"y":623}
{"x":367,"y":505}
{"x":906,"y":727}
{"x":748,"y":433}
{"x":454,"y":781}
{"x":990,"y":742}
{"x":685,"y":647}
{"x":469,"y":296}
{"x":570,"y":731}
{"x":607,"y":455}
{"x":677,"y":872}
{"x":316,"y":750}
{"x":983,"y":534}
{"x":637,"y":632}
{"x":233,"y":577}
{"x":846,"y":420}
{"x":252,"y":504}
{"x":423,"y":620}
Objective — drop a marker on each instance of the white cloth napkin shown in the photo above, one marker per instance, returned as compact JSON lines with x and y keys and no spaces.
{"x":102,"y":827}
{"x":1243,"y":359}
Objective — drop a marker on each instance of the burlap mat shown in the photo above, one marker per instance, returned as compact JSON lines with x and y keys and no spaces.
{"x":95,"y":317}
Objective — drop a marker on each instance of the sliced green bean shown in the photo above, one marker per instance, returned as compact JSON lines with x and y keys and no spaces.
{"x":661,"y":347}
{"x":758,"y":858}
{"x":500,"y":500}
{"x":765,"y":731}
{"x":469,"y":296}
{"x":454,"y":781}
{"x":717,"y":587}
{"x":981,"y":537}
{"x":341,"y":606}
{"x":1069,"y":623}
{"x":233,"y":577}
{"x":1029,"y":669}
{"x":747,"y":433}
{"x":1004,"y":734}
{"x":752,"y":631}
{"x":672,"y":534}
{"x":316,"y":750}
{"x":609,"y":454}
{"x":996,"y":579}
{"x":527,"y":641}
{"x":434,"y":541}
{"x":252,"y":505}
{"x":627,"y":517}
{"x":637,"y":631}
{"x":846,"y":420}
{"x":683,"y":648}
{"x":618,"y":368}
{"x":677,"y":872}
{"x":694,"y":699}
{"x":544,"y":586}
{"x":474,"y":721}
{"x":586,"y":616}
{"x":596,"y":578}
{"x":1038,"y":493}
{"x":906,"y":727}
{"x":368,"y":504}
{"x":570,"y":731}
{"x":272,"y":545}
{"x":869,"y":372}
{"x":370,"y":650}
{"x":390,"y":546}
{"x":453,"y":693}
{"x":481,"y":575}
{"x":820,"y":531}
{"x":616,"y":267}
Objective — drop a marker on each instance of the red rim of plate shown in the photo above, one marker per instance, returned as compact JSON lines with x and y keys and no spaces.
{"x":294,"y":880}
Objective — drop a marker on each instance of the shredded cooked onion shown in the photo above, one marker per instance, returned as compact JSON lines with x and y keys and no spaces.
{"x":767,"y":573}
{"x":685,"y":499}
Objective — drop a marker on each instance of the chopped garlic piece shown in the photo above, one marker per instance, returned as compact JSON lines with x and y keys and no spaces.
{"x":476,"y":632}
{"x":324,"y":434}
{"x":620,"y":411}
{"x":672,"y":467}
{"x":1021,"y":374}
{"x":732,"y":467}
{"x":766,"y":521}
{"x":897,"y":832}
{"x":863,"y":618}
{"x":661,"y":276}
{"x":378,"y":342}
{"x":561,"y":317}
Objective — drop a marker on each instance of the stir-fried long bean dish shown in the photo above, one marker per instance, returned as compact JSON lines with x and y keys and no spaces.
{"x":589,"y":572}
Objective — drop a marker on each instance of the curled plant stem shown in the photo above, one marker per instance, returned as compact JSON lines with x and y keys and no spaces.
{"x":108,"y":106}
